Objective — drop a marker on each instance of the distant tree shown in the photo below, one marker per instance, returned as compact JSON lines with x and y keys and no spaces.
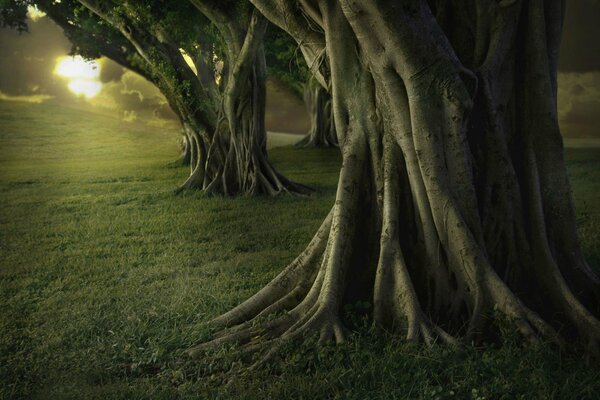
{"x":322,"y":127}
{"x":453,"y":215}
{"x":240,"y":149}
{"x":285,"y":63}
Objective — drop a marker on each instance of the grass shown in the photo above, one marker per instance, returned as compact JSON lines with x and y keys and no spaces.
{"x":105,"y":275}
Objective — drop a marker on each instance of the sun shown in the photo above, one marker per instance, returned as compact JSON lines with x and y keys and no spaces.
{"x":77,"y":67}
{"x":82,"y":75}
{"x":82,"y":87}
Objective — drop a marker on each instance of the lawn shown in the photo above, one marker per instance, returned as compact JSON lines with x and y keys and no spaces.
{"x":105,"y":275}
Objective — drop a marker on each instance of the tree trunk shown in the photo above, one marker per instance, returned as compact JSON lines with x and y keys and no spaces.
{"x":185,"y":157}
{"x":322,"y":128}
{"x":236,"y":159}
{"x":453,"y":212}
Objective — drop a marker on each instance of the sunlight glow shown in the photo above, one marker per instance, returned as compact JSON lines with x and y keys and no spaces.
{"x":34,"y":98}
{"x":34,"y":13}
{"x":82,"y":74}
{"x":189,"y":61}
{"x":83,"y":87}
{"x":77,"y":67}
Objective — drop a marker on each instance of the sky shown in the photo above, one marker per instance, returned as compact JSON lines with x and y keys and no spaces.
{"x":30,"y":71}
{"x":29,"y":61}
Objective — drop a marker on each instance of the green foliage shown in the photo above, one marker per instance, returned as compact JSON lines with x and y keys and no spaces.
{"x":186,"y":26}
{"x":284,"y":59}
{"x":105,"y":275}
{"x":89,"y":35}
{"x":13,"y":14}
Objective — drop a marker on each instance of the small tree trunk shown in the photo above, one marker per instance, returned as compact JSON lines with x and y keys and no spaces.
{"x":322,"y":128}
{"x":185,"y":156}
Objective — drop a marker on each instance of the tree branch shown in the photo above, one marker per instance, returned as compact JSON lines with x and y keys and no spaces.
{"x":288,"y":16}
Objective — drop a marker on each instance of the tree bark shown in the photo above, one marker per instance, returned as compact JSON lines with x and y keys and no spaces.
{"x":453,"y":212}
{"x":322,"y":128}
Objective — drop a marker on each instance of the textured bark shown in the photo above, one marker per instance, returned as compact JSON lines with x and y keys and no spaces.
{"x":453,"y":210}
{"x":322,"y":128}
{"x":185,"y":157}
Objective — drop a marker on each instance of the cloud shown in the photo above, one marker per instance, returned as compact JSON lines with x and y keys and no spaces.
{"x":134,"y":98}
{"x":27,"y":74}
{"x":578,"y":103}
{"x":129,"y":116}
{"x":163,"y":112}
{"x":35,"y":98}
{"x":110,"y":71}
{"x":27,"y":62}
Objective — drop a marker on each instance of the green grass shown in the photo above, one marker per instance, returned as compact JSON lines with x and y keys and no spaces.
{"x":105,"y":275}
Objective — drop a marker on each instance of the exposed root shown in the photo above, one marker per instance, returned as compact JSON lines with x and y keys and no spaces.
{"x":318,"y":309}
{"x":421,"y":329}
{"x":312,"y":140}
{"x":251,"y":180}
{"x":296,"y":274}
{"x":323,"y":322}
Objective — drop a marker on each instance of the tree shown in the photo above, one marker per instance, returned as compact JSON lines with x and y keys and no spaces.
{"x":92,"y":37}
{"x":322,"y":128}
{"x":284,"y":64}
{"x":240,"y":151}
{"x":193,"y":98}
{"x":453,"y":210}
{"x":13,"y":15}
{"x":225,"y":140}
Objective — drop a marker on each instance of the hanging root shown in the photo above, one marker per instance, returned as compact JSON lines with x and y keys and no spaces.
{"x":194,"y":181}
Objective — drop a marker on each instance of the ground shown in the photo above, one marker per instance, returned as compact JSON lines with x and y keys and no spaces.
{"x":105,"y":275}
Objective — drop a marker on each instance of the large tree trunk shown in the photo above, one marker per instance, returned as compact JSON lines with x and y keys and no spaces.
{"x":453,"y":209}
{"x":322,"y":128}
